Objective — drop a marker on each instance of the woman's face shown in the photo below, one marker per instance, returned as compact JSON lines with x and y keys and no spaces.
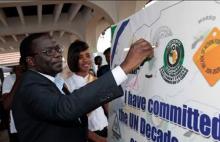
{"x":85,"y":61}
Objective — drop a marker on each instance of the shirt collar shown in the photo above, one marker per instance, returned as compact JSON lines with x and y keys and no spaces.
{"x":51,"y":78}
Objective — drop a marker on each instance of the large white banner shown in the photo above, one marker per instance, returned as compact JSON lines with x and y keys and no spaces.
{"x":175,"y":96}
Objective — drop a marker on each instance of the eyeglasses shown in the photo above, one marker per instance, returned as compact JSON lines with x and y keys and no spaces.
{"x":51,"y":51}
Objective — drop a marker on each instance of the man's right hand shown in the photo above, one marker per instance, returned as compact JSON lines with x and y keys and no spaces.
{"x":139,"y":51}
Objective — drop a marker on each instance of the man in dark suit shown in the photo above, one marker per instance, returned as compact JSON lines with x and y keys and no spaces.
{"x":105,"y":68}
{"x":42,"y":112}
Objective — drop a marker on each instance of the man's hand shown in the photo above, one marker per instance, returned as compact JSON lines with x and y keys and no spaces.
{"x":139,"y":51}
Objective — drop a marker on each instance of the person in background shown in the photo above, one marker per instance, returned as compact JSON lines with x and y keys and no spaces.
{"x":43,"y":113}
{"x":105,"y":68}
{"x":4,"y":118}
{"x":9,"y":87}
{"x":98,"y":61}
{"x":79,"y":61}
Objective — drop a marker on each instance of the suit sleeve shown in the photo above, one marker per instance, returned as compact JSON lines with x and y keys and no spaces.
{"x":45,"y":105}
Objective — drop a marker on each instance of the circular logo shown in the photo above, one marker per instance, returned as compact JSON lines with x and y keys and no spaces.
{"x":173,"y":71}
{"x":174,"y":53}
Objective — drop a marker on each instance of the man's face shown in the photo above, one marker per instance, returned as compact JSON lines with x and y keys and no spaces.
{"x":84,"y":61}
{"x":50,"y":64}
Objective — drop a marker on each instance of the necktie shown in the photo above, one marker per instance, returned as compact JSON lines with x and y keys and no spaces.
{"x":65,"y":89}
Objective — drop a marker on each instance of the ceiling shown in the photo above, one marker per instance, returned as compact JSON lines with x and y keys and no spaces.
{"x":17,"y":20}
{"x":66,"y":20}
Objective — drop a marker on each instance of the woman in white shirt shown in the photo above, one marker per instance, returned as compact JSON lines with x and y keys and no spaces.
{"x":79,"y":61}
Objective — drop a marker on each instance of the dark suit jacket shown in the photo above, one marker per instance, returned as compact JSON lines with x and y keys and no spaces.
{"x":102,"y":70}
{"x":43,"y":114}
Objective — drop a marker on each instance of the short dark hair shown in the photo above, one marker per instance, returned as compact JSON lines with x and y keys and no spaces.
{"x":73,"y":54}
{"x":26,"y":48}
{"x":107,"y":51}
{"x":97,"y":58}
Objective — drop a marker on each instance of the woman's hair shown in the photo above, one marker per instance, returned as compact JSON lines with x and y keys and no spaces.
{"x":73,"y":54}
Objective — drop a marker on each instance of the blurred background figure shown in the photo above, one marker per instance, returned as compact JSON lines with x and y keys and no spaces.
{"x":98,"y":61}
{"x":4,"y":117}
{"x":9,"y":88}
{"x":105,"y":68}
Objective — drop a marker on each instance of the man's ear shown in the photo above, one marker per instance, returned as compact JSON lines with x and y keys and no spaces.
{"x":30,"y":61}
